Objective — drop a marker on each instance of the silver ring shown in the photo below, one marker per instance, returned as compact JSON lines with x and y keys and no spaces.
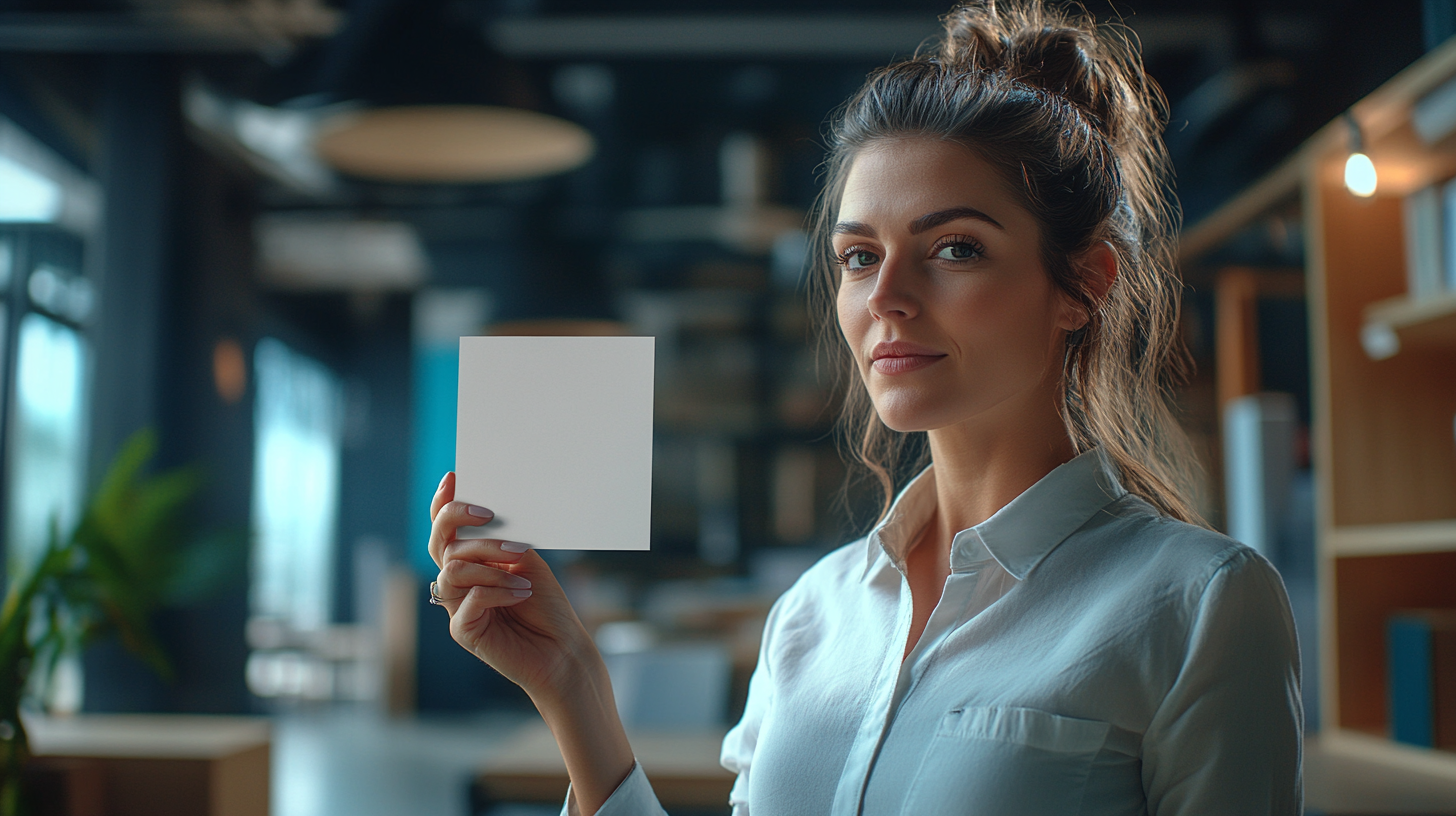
{"x":435,"y":594}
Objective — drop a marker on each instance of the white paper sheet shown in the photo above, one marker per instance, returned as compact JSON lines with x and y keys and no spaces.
{"x":554,"y":434}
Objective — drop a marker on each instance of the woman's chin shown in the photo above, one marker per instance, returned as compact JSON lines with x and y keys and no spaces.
{"x":908,"y":428}
{"x":904,"y":421}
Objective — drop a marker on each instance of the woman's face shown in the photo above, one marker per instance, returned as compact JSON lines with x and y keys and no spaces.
{"x":935,"y":252}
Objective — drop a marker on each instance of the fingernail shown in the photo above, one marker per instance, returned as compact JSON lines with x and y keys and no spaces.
{"x":517,"y":581}
{"x":479,"y":512}
{"x":442,"y":481}
{"x":514,"y":547}
{"x":521,"y":593}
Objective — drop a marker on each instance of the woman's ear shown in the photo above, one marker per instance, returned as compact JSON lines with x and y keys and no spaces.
{"x":1097,"y":268}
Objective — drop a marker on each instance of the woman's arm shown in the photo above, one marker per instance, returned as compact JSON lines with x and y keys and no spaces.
{"x":507,"y":609}
{"x":582,"y":715}
{"x":1227,"y":737}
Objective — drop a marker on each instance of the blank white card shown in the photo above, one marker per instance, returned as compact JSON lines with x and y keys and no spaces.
{"x":554,"y":434}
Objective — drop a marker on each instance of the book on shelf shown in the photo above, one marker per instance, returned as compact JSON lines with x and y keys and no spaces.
{"x":1421,"y":645}
{"x":1448,"y":235}
{"x":1425,"y":270}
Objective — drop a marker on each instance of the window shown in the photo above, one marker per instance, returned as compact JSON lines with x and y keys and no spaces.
{"x":298,"y":430}
{"x":47,"y":454}
{"x":47,"y":209}
{"x":44,"y":302}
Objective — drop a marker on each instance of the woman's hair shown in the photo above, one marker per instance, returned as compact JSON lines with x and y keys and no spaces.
{"x":1062,"y":108}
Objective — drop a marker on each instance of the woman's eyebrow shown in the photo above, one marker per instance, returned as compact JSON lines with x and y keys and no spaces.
{"x":854,"y":228}
{"x":921,"y":224}
{"x":935,"y":219}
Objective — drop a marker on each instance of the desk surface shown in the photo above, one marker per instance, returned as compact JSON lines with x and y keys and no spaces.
{"x":682,"y":766}
{"x":532,"y":748}
{"x":146,"y":736}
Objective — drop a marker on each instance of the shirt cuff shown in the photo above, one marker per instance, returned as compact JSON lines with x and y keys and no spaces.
{"x":634,"y":797}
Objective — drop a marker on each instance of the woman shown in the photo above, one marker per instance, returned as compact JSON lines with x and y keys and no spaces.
{"x":1037,"y":624}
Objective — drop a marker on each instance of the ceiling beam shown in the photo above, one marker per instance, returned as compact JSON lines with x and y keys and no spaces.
{"x":258,"y":26}
{"x":820,"y":36}
{"x":712,"y":36}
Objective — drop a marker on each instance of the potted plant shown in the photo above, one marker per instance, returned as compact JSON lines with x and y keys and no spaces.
{"x":123,"y":560}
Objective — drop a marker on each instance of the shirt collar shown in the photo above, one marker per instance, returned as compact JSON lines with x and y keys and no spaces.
{"x":1018,"y":535}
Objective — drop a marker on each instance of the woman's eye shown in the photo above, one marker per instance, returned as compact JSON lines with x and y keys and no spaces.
{"x":958,"y":251}
{"x":858,"y":259}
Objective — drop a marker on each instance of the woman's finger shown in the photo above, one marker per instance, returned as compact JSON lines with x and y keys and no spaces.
{"x":450,"y":517}
{"x":458,"y":577}
{"x":486,"y":550}
{"x":444,"y":493}
{"x":476,"y":604}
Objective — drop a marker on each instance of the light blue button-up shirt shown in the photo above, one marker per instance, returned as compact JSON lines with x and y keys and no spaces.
{"x":1087,"y":656}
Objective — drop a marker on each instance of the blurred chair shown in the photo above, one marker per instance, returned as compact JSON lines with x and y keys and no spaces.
{"x":663,"y":687}
{"x":672,"y":698}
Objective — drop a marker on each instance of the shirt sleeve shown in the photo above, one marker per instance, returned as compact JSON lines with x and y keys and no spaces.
{"x":742,"y":740}
{"x":634,"y":797}
{"x":1226,"y":738}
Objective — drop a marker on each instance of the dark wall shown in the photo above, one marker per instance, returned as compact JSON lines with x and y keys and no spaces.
{"x":374,"y":483}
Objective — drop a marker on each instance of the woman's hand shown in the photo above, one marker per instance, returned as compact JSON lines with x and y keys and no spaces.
{"x":505,"y":606}
{"x":507,"y":609}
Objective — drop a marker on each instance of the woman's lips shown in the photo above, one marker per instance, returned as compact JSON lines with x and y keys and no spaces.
{"x":902,"y":365}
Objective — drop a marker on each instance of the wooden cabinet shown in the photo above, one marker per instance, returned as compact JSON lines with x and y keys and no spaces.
{"x":159,"y":764}
{"x":1383,"y":446}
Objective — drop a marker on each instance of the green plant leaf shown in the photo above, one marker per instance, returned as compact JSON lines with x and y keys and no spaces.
{"x":111,"y":574}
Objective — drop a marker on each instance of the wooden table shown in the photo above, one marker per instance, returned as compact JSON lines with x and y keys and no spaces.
{"x":682,"y":766}
{"x":157,"y":764}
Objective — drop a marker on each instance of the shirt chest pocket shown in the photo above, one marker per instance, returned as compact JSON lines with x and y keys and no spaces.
{"x":1006,"y":762}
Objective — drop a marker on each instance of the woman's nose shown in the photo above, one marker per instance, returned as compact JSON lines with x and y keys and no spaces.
{"x":895,"y":291}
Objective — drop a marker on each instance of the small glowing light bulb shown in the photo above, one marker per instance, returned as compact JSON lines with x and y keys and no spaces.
{"x":1360,"y":175}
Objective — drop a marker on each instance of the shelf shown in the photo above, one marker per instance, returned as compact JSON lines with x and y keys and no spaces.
{"x":1393,"y":539}
{"x":1382,"y":751}
{"x":1380,"y":431}
{"x":1398,"y":323}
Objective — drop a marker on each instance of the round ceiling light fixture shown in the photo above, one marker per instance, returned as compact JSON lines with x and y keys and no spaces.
{"x":451,"y":144}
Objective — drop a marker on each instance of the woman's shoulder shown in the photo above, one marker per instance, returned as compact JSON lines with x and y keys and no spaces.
{"x":842,"y":565}
{"x":820,"y":597}
{"x":826,"y":583}
{"x":1130,"y":534}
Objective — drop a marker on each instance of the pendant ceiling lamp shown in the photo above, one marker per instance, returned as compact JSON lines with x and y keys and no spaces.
{"x":451,"y":144}
{"x":432,"y":103}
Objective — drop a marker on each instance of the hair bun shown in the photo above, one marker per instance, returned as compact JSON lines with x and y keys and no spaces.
{"x":1049,"y":49}
{"x":974,"y":39}
{"x":1058,"y":61}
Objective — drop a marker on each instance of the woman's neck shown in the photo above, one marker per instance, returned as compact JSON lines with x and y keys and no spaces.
{"x":980,"y":469}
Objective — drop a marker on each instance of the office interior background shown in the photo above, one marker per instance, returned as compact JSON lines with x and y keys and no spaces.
{"x":250,"y":227}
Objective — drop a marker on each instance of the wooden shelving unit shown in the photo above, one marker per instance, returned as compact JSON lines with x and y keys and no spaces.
{"x":1429,"y":322}
{"x":1383,"y":449}
{"x":1393,"y":539}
